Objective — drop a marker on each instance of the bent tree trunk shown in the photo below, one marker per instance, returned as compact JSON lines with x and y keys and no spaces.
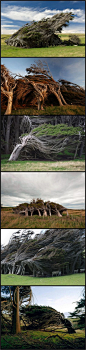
{"x":10,"y":102}
{"x":15,"y":315}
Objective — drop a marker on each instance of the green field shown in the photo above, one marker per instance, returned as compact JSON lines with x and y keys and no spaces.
{"x":55,"y":51}
{"x":70,"y":165}
{"x":75,"y":279}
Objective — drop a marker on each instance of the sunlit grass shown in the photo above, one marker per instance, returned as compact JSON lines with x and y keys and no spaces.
{"x":52,"y":51}
{"x":68,"y":280}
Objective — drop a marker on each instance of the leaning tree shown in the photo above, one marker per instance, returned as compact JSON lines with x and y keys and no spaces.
{"x":55,"y":250}
{"x":42,"y":33}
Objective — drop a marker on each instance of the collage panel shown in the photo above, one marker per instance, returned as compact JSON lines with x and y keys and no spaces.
{"x":43,"y":115}
{"x":43,"y":29}
{"x":43,"y":317}
{"x":43,"y":175}
{"x":43,"y":199}
{"x":43,"y":256}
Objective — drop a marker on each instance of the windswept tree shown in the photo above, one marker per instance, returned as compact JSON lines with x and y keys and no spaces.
{"x":44,"y":83}
{"x":8,"y":84}
{"x":79,"y":311}
{"x":37,"y":88}
{"x":11,"y":298}
{"x":41,"y":33}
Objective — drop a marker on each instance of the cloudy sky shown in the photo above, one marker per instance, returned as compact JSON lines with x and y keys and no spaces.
{"x":63,"y":299}
{"x":71,"y":69}
{"x":65,"y":188}
{"x":14,"y":14}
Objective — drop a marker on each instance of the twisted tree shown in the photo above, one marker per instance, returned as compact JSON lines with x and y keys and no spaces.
{"x":37,"y":87}
{"x":8,"y":84}
{"x":42,"y":33}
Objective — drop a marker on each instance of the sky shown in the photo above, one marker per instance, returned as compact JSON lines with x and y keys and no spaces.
{"x":14,"y":14}
{"x":62,"y":299}
{"x":70,"y":69}
{"x":7,"y":233}
{"x":65,"y":188}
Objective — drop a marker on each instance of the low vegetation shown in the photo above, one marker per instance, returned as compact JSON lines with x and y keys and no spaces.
{"x":55,"y":110}
{"x":73,"y":279}
{"x":71,"y":165}
{"x":40,"y":339}
{"x":76,"y":219}
{"x":52,"y":51}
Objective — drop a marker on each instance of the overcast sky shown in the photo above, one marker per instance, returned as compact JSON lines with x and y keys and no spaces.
{"x":71,"y":69}
{"x":65,"y":188}
{"x":14,"y":14}
{"x":7,"y":233}
{"x":62,"y":299}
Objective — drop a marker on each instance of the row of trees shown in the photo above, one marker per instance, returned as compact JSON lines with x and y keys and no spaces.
{"x":61,"y":250}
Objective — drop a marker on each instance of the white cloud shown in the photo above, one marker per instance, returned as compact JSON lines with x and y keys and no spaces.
{"x":29,"y":14}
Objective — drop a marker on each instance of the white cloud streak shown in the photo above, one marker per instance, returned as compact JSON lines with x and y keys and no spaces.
{"x":30,"y":14}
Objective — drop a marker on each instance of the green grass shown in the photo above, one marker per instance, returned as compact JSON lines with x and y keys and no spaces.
{"x":70,"y":165}
{"x":55,"y":51}
{"x":40,"y":339}
{"x":75,"y":279}
{"x":55,"y":110}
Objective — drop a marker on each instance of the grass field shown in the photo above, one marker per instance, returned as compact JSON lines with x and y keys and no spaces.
{"x":55,"y":51}
{"x":55,"y":110}
{"x":71,"y":165}
{"x":69,"y":280}
{"x":40,"y":339}
{"x":76,"y":219}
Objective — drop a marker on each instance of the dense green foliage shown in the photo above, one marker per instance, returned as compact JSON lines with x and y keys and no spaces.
{"x":54,"y":130}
